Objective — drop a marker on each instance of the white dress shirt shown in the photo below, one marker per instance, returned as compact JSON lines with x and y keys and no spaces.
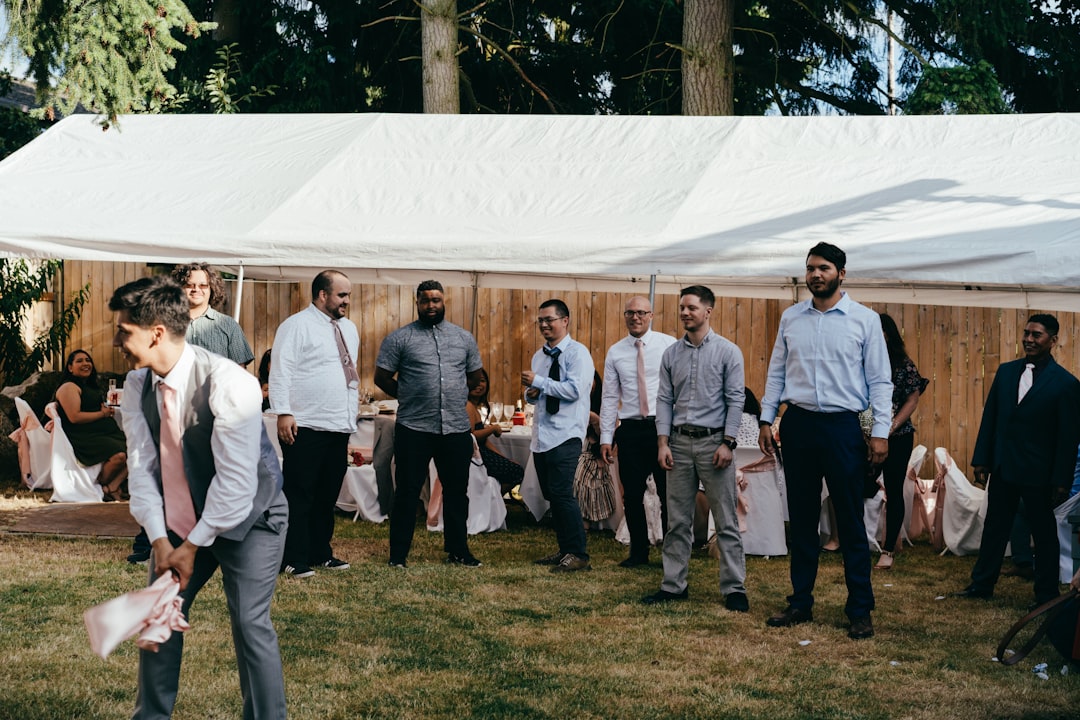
{"x":307,"y":380}
{"x":236,"y":403}
{"x":620,"y":398}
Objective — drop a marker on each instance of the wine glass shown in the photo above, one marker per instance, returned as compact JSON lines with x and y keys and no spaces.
{"x":484,"y":414}
{"x":496,"y":412}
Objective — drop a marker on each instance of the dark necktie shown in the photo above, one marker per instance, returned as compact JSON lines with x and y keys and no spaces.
{"x":554,"y":374}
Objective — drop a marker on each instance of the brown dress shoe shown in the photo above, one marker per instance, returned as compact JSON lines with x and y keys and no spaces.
{"x":571,"y":563}
{"x":861,"y":628}
{"x":790,"y":616}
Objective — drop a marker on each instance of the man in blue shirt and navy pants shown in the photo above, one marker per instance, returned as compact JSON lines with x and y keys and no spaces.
{"x":828,"y":364}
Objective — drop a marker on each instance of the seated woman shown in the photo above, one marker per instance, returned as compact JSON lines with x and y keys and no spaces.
{"x":264,"y":379}
{"x":506,"y":471}
{"x":88,"y":422}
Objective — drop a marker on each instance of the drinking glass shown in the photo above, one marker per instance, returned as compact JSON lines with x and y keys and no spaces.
{"x":496,"y":412}
{"x":484,"y":414}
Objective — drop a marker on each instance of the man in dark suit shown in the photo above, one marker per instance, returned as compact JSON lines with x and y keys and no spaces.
{"x":1027,"y":448}
{"x":205,"y":484}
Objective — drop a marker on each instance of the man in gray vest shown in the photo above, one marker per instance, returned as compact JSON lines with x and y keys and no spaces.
{"x":205,"y":484}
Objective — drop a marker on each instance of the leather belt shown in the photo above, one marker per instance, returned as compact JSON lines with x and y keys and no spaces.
{"x":692,"y":431}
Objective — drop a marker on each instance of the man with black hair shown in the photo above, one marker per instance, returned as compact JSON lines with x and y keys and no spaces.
{"x":1027,"y":447}
{"x":434,"y":361}
{"x":559,"y":382}
{"x":829,"y":363}
{"x":206,"y":484}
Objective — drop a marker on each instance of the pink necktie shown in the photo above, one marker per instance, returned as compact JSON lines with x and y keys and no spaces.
{"x":642,"y":385}
{"x":352,"y":379}
{"x":179,"y":512}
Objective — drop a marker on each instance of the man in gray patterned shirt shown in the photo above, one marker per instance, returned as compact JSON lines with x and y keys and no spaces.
{"x":210,"y":328}
{"x":434,"y":360}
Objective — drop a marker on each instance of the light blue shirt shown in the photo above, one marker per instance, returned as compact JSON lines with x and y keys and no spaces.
{"x":576,"y":372}
{"x":832,"y":361}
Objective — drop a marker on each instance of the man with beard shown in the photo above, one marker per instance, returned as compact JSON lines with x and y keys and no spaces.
{"x":434,"y":361}
{"x":1027,"y":447}
{"x":313,"y":390}
{"x":828,"y":364}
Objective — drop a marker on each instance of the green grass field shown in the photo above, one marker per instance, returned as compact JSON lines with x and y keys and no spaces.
{"x":510,"y":640}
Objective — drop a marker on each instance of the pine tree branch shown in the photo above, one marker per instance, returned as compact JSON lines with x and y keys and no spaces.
{"x":513,"y":63}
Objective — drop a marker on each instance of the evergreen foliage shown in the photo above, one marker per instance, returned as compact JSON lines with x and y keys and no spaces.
{"x":110,"y":56}
{"x":22,"y":283}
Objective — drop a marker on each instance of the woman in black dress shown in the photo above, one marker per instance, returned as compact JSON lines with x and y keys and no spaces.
{"x":908,"y":385}
{"x":90,"y":425}
{"x":506,"y":471}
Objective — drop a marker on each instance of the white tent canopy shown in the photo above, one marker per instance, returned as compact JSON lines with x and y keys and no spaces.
{"x":961,"y":210}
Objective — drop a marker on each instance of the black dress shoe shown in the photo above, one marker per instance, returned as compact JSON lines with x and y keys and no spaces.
{"x":737,"y":602}
{"x":790,"y":616}
{"x":973,"y":593}
{"x":663,"y":596}
{"x":861,"y":628}
{"x":633,"y":562}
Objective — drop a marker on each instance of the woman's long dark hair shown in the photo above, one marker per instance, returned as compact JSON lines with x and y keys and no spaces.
{"x":91,"y":382}
{"x":751,"y":406}
{"x":482,"y":402}
{"x":893,"y":341}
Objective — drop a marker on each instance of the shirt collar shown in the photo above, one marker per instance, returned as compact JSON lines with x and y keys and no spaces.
{"x":843,"y":305}
{"x":644,"y":338}
{"x":210,"y":314}
{"x":686,"y":339}
{"x":562,"y":344}
{"x":177,"y":377}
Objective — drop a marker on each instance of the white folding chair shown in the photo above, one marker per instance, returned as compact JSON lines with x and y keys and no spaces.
{"x":71,"y":481}
{"x":961,"y":512}
{"x":40,"y":444}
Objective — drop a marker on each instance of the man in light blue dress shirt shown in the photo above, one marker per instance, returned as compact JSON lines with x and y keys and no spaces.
{"x":828,"y":364}
{"x":559,"y":383}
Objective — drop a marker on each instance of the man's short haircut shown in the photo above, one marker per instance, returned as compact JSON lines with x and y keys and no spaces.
{"x":1047,"y":320}
{"x":831,"y":253}
{"x":157,"y":300}
{"x":427,"y":286}
{"x":324,"y":281}
{"x":180,"y":274}
{"x":702,"y":292}
{"x":560,"y":307}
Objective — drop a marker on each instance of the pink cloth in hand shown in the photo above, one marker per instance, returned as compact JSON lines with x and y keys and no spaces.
{"x":153,"y":613}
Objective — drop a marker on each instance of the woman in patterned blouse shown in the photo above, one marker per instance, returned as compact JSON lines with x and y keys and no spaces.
{"x":908,"y":385}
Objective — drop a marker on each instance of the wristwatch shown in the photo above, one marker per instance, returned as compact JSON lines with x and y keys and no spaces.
{"x":730,"y":442}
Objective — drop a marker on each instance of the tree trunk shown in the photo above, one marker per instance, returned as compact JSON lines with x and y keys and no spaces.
{"x":438,"y":20}
{"x":227,"y":16}
{"x":708,"y":74}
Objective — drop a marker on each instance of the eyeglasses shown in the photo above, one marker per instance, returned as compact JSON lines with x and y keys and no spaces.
{"x":547,"y":320}
{"x":192,"y":286}
{"x":636,"y":313}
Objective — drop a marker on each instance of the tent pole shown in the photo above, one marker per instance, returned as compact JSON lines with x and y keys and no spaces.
{"x":652,"y":289}
{"x":239,"y":293}
{"x":475,"y":301}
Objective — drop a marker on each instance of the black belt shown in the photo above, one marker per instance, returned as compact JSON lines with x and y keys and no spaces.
{"x":651,"y":420}
{"x":692,"y":431}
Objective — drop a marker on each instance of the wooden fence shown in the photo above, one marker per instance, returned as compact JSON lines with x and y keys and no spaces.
{"x":957,"y":348}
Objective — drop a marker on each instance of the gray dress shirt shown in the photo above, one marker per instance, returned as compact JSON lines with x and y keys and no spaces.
{"x":701,"y":386}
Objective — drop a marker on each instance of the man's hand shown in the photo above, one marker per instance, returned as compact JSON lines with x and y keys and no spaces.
{"x":1061,"y":494}
{"x":982,"y":474}
{"x":663,"y":457}
{"x":765,"y":440}
{"x":180,"y":560}
{"x":527,"y":377}
{"x":532,"y":393}
{"x":286,"y":429}
{"x":722,"y":457}
{"x":607,"y":453}
{"x":879,"y":450}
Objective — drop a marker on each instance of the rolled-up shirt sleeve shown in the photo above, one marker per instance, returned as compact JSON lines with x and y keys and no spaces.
{"x":665,"y":395}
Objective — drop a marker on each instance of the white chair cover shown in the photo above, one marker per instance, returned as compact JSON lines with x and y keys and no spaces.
{"x":764,"y":533}
{"x":40,"y":446}
{"x":961,"y":511}
{"x":874,"y":508}
{"x":360,"y":494}
{"x":487,"y":509}
{"x":1065,"y":531}
{"x":653,"y":517}
{"x":71,"y":481}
